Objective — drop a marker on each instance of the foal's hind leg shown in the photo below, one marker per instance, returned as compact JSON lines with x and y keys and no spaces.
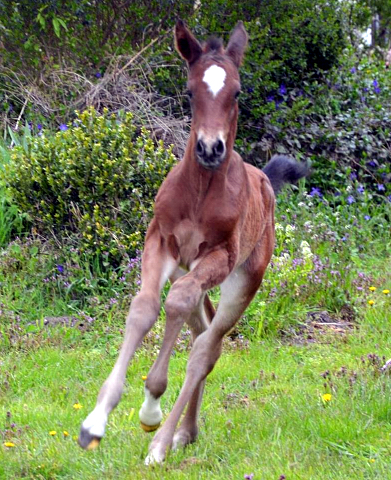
{"x":156,"y":268}
{"x":188,"y":430}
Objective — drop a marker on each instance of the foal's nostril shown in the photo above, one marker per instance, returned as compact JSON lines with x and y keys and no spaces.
{"x":219,"y":148}
{"x":200,"y":148}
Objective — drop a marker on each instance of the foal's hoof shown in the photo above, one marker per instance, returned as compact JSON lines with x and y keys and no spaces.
{"x":88,"y":441}
{"x":149,"y":428}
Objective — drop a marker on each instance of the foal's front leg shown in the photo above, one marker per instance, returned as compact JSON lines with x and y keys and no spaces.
{"x":157,"y":266}
{"x":183,"y":299}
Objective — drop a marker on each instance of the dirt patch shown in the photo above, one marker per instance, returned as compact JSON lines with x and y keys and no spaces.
{"x":320,"y":325}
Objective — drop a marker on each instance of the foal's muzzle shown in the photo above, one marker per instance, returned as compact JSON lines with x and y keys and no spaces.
{"x":210,"y":155}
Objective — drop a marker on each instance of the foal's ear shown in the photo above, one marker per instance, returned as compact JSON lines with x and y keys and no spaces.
{"x":237,"y":44}
{"x":185,"y":42}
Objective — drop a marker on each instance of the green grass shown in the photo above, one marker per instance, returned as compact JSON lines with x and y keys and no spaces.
{"x":262,"y":413}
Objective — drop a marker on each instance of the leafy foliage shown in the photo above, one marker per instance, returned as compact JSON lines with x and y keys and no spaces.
{"x":342,"y":125}
{"x":97,"y":179}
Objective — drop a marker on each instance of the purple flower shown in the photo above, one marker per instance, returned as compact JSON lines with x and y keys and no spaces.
{"x":372,"y":163}
{"x":63,"y":127}
{"x":381,"y":187}
{"x":282,"y":89}
{"x":353,"y":70}
{"x":39,"y":126}
{"x":249,"y":476}
{"x":353,"y":176}
{"x":360,"y":189}
{"x":60,"y":268}
{"x":315,"y":192}
{"x":270,"y":98}
{"x":98,"y":75}
{"x":350,"y":199}
{"x":376,"y":89}
{"x":250,"y":90}
{"x":367,"y":217}
{"x":389,"y":198}
{"x":375,"y":83}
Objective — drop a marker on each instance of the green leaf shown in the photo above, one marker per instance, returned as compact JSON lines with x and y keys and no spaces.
{"x":56,"y":26}
{"x":41,"y":19}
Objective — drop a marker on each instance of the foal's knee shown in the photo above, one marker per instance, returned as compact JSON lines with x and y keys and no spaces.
{"x":182,"y":298}
{"x":144,"y":311}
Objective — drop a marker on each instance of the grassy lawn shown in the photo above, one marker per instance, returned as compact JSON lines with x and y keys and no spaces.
{"x":263,"y":410}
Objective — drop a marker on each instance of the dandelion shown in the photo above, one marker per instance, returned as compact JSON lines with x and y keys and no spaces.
{"x":326,"y":397}
{"x":52,"y":433}
{"x":65,"y":433}
{"x":386,"y":291}
{"x":9,"y":444}
{"x":77,"y":406}
{"x":372,"y":460}
{"x":371,"y":302}
{"x":372,"y":289}
{"x":143,"y":378}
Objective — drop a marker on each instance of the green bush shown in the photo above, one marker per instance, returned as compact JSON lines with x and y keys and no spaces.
{"x":342,"y":125}
{"x":93,"y":184}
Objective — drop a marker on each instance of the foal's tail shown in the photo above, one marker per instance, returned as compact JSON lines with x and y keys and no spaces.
{"x":282,"y":169}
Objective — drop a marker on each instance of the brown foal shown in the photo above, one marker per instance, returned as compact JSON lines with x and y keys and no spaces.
{"x":213,"y":225}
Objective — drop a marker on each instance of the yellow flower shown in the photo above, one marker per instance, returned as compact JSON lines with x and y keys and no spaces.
{"x":372,"y":289}
{"x":66,"y":434}
{"x":326,"y":397}
{"x":52,"y":433}
{"x":371,"y":302}
{"x":77,"y":406}
{"x":372,"y":460}
{"x":143,"y":378}
{"x":9,"y":444}
{"x":386,"y":292}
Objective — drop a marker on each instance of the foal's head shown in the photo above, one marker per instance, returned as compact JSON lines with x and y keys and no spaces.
{"x":213,"y":86}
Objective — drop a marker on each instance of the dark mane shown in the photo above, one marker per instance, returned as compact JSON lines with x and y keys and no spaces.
{"x":213,"y":44}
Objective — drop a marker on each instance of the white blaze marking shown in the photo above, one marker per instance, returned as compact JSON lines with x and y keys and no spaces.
{"x":214,"y":77}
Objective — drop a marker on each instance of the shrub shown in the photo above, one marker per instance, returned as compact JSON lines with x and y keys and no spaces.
{"x":93,"y":183}
{"x":342,"y":125}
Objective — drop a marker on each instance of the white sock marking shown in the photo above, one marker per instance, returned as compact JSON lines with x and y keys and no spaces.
{"x":96,"y":421}
{"x":214,"y":77}
{"x":150,"y":412}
